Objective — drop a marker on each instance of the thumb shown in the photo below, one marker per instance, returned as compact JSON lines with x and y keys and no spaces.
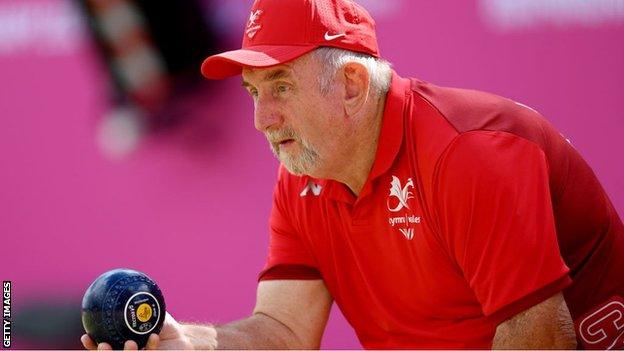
{"x":171,"y":328}
{"x":152,"y":342}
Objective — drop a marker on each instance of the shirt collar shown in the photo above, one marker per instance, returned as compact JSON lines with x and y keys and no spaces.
{"x":389,"y":142}
{"x":391,"y":134}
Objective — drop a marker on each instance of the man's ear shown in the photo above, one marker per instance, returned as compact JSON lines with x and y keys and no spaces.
{"x":356,"y":84}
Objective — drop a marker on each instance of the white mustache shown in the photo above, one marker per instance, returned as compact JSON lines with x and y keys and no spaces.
{"x":276,"y":136}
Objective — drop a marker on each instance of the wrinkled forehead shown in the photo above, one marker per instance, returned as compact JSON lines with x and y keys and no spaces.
{"x":256,"y":75}
{"x":295,"y":69}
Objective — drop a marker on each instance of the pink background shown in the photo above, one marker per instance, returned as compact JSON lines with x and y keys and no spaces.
{"x":190,"y":207}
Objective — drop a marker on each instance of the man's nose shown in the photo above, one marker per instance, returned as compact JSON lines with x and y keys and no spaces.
{"x":266,"y":115}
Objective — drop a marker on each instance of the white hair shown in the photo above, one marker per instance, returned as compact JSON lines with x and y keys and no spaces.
{"x":332,"y":59}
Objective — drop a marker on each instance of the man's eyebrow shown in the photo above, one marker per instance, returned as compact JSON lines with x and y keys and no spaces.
{"x":271,"y":75}
{"x":277,"y":74}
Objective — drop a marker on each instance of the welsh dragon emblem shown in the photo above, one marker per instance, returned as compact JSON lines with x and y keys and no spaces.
{"x":401,"y":193}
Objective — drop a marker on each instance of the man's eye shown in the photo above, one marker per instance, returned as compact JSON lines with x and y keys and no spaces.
{"x":282,"y":88}
{"x":253,"y":92}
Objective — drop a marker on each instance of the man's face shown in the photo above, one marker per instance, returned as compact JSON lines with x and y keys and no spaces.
{"x":297,"y":120}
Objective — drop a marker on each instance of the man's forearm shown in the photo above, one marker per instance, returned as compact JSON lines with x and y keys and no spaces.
{"x":547,"y":325}
{"x":256,"y":332}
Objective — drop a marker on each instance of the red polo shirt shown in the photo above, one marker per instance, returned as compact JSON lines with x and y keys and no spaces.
{"x":475,"y":209}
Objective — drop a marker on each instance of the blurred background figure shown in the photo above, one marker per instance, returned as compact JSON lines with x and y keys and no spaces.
{"x":114,"y":152}
{"x":151,"y":51}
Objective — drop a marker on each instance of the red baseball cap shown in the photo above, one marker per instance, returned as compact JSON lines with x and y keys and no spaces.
{"x":279,"y":31}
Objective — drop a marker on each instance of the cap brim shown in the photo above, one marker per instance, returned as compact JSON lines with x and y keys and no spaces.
{"x":231,"y":63}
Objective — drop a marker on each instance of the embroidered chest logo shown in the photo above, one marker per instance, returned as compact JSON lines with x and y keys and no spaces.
{"x":402,"y":194}
{"x":397,"y":201}
{"x":252,"y":25}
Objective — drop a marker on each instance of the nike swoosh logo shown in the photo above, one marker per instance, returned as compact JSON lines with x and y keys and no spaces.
{"x":329,"y":37}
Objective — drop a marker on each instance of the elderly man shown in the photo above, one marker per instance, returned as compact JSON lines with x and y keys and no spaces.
{"x":434,"y":217}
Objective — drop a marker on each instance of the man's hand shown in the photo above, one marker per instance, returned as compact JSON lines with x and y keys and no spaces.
{"x":171,"y":337}
{"x":289,"y":314}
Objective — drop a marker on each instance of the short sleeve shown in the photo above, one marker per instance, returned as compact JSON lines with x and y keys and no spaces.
{"x":288,"y":257}
{"x":495,"y":215}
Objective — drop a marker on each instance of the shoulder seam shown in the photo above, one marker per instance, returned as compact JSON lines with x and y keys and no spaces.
{"x":437,"y":110}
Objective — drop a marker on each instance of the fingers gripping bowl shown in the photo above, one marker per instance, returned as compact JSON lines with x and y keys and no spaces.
{"x":120,"y":305}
